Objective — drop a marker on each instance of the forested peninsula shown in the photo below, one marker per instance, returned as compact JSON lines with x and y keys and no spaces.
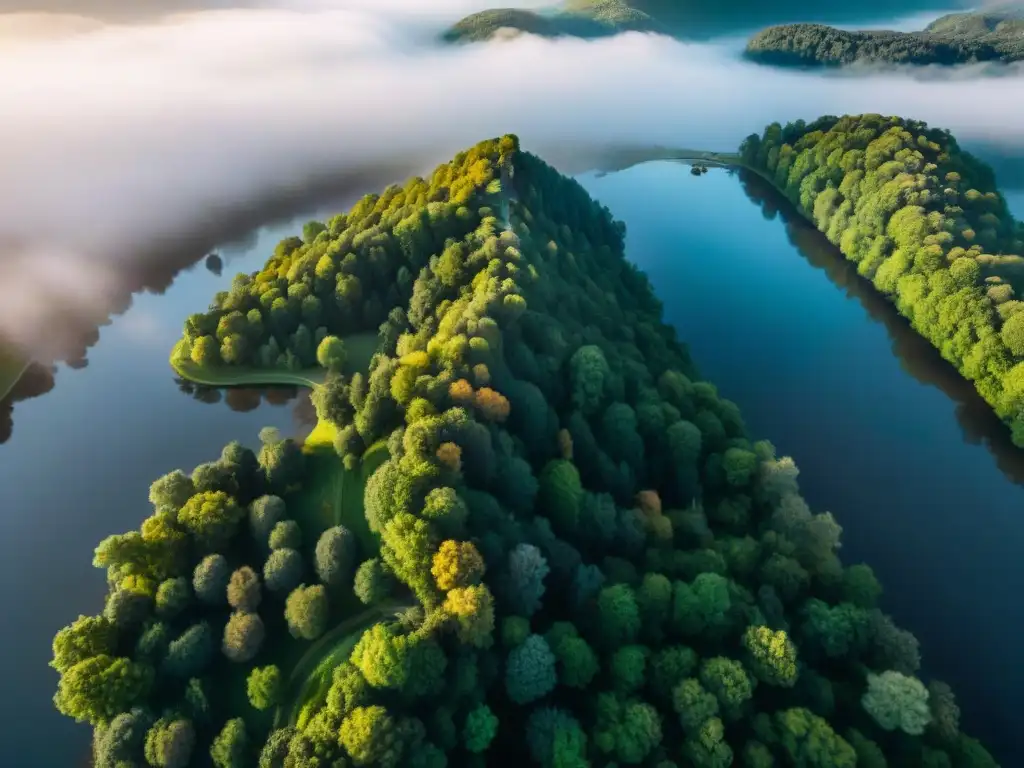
{"x":524,"y":531}
{"x":992,"y":35}
{"x":924,"y":222}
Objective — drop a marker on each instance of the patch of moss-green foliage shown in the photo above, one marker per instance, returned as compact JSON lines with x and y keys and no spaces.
{"x":990,"y":35}
{"x":924,"y":222}
{"x":601,"y":566}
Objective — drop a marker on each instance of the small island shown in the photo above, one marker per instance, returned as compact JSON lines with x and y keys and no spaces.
{"x":524,"y":531}
{"x":992,"y":35}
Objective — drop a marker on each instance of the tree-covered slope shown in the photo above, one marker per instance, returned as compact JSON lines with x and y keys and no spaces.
{"x":578,"y":18}
{"x":679,"y":18}
{"x":926,"y":224}
{"x":601,"y":567}
{"x":959,"y":38}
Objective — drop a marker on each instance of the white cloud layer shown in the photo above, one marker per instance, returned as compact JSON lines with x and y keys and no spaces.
{"x":118,"y":140}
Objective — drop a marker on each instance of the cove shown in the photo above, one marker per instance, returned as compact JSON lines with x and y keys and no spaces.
{"x":915,"y":467}
{"x":76,"y":463}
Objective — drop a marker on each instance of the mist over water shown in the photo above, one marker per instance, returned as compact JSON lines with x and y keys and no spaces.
{"x":124,"y":140}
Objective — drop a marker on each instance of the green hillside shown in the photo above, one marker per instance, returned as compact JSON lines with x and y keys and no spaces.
{"x":679,"y":18}
{"x":960,"y":38}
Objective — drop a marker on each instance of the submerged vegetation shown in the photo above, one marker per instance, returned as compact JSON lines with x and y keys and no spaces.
{"x":526,"y":532}
{"x":924,"y":222}
{"x":991,"y":35}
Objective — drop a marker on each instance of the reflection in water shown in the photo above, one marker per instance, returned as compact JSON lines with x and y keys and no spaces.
{"x":979,"y":424}
{"x":240,"y":399}
{"x":73,"y":334}
{"x":214,"y":264}
{"x":35,"y":381}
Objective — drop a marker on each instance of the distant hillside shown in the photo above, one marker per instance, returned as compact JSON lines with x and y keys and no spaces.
{"x":679,"y":18}
{"x":995,"y":35}
{"x":580,"y":18}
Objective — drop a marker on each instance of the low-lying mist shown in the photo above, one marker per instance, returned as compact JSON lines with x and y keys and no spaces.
{"x":120,"y":142}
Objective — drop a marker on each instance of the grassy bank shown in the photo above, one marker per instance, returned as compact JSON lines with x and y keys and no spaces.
{"x":307,"y":686}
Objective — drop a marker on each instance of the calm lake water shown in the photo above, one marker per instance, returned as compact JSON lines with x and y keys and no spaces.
{"x":76,"y":466}
{"x":888,"y":437}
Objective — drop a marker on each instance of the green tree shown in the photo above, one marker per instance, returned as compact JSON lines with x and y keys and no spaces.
{"x":264,"y":513}
{"x":170,"y":742}
{"x":98,"y":688}
{"x":335,"y":556}
{"x":626,"y":730}
{"x":479,"y":729}
{"x":530,"y":671}
{"x":369,"y":736}
{"x":169,"y":493}
{"x":84,"y":638}
{"x":693,"y":703}
{"x":729,"y":683}
{"x":307,"y":611}
{"x":618,"y":615}
{"x":895,"y":700}
{"x":211,"y":517}
{"x":190,"y":652}
{"x":331,"y":353}
{"x":283,"y":571}
{"x":285,"y":534}
{"x":588,"y":371}
{"x":560,"y":494}
{"x":372,"y":582}
{"x":772,"y":655}
{"x":264,"y":687}
{"x":211,"y":578}
{"x":556,"y":739}
{"x":172,"y":597}
{"x":243,"y":636}
{"x":230,"y":748}
{"x":243,"y":590}
{"x":809,"y":740}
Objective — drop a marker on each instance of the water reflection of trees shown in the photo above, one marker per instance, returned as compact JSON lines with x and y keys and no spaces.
{"x":154,"y":270}
{"x":979,"y":424}
{"x":239,"y":399}
{"x":244,"y":399}
{"x":35,"y":381}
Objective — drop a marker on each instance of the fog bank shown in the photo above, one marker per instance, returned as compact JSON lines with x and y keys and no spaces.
{"x":120,"y":141}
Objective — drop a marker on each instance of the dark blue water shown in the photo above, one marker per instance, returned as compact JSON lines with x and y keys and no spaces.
{"x":887,"y":436}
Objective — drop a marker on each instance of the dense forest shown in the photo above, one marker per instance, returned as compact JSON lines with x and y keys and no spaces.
{"x":526,"y":533}
{"x":994,"y":35}
{"x":924,"y":222}
{"x":679,"y":18}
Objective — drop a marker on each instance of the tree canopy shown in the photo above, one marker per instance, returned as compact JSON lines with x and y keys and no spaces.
{"x":571,"y":551}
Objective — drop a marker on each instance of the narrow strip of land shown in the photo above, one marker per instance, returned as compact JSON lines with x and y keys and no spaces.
{"x":238,"y":376}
